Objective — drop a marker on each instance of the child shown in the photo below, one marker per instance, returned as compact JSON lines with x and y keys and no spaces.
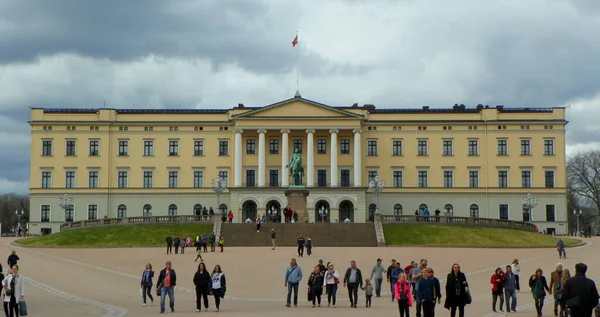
{"x":308,"y":246}
{"x":402,"y":294}
{"x":368,"y":288}
{"x":183,"y":245}
{"x":221,"y":242}
{"x":199,"y":256}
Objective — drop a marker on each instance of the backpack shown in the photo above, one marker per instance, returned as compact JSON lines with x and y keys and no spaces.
{"x":403,"y":292}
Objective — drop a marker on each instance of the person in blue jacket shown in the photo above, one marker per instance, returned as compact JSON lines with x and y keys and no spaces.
{"x":293,"y":276}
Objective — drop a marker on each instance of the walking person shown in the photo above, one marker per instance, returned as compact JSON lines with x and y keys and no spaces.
{"x":377,"y":276}
{"x":204,"y":242}
{"x":539,"y":287}
{"x":396,"y":271}
{"x":353,"y":280}
{"x":368,"y":293}
{"x":183,"y":245}
{"x":167,"y":279}
{"x":416,"y":276}
{"x":202,"y":281}
{"x":516,"y":269}
{"x":273,"y":235}
{"x":221,"y":242}
{"x":580,"y":293}
{"x":300,"y":243}
{"x":169,"y":242}
{"x":556,"y":278}
{"x":510,"y":290}
{"x":176,"y":243}
{"x":146,"y":284}
{"x":316,"y":283}
{"x":426,"y":292}
{"x":257,"y":222}
{"x":456,"y":291}
{"x":309,"y":246}
{"x":389,"y":277}
{"x":212,"y":240}
{"x":13,"y":258}
{"x":5,"y":299}
{"x":199,"y":256}
{"x":560,"y":247}
{"x":15,"y":291}
{"x":497,"y":281}
{"x":332,"y":279}
{"x":293,"y":276}
{"x":403,"y":294}
{"x":218,"y":286}
{"x":563,"y":307}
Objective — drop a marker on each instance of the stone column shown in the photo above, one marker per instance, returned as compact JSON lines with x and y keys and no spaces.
{"x":310,"y":159}
{"x":261,"y":158}
{"x":285,"y":158}
{"x":357,"y":158}
{"x":237,"y":175}
{"x":334,"y":158}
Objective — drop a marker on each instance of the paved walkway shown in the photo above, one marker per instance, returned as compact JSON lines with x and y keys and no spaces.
{"x":105,"y":282}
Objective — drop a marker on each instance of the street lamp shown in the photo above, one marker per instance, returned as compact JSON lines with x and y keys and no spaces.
{"x":218,"y":186}
{"x":529,"y":202}
{"x":577,"y":214}
{"x":323,"y":213}
{"x":19,"y":213}
{"x":65,"y":203}
{"x":376,"y":186}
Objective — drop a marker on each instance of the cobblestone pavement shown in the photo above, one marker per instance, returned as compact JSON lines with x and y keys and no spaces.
{"x":105,"y":282}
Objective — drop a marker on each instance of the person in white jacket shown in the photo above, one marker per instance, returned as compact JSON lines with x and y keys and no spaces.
{"x":516,"y":269}
{"x":331,"y":281}
{"x":14,"y":288}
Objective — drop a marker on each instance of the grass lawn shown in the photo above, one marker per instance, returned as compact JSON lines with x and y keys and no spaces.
{"x":456,"y":236}
{"x":118,"y":236}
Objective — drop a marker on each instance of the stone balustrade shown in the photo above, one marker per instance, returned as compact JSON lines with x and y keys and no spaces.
{"x":458,"y":221}
{"x":151,"y":220}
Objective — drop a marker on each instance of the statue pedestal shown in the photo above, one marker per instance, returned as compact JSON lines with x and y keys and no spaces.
{"x":296,"y":199}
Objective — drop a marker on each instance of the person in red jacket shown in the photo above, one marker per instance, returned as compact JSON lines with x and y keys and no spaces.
{"x":497,"y":281}
{"x":409,"y":267}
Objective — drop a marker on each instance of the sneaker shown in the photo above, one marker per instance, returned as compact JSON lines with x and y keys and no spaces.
{"x":313,"y":306}
{"x":144,"y":305}
{"x":333,"y":306}
{"x":197,"y":310}
{"x":329,"y":305}
{"x":172,"y":310}
{"x":216,"y":310}
{"x":319,"y":305}
{"x":287,"y":305}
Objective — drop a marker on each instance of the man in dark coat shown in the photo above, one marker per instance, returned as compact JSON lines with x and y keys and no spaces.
{"x":354,"y":280}
{"x":167,"y":280}
{"x":580,"y":293}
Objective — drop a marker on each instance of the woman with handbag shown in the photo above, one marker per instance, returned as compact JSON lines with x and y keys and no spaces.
{"x":146,"y":284}
{"x":539,"y":287}
{"x":218,"y":285}
{"x":15,"y":290}
{"x":202,"y":281}
{"x":457,"y":292}
{"x":332,"y":279}
{"x":315,"y":286}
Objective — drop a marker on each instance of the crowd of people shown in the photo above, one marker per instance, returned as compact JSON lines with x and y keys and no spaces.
{"x":201,"y":242}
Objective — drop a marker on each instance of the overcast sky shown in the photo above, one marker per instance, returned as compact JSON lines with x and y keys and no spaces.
{"x":215,"y":54}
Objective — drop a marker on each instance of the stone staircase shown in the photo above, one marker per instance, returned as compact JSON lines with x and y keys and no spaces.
{"x":321,"y":234}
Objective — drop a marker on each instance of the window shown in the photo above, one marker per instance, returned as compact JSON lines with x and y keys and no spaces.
{"x":223,"y":148}
{"x":526,"y":215}
{"x":422,"y":208}
{"x":525,"y":147}
{"x":198,"y":147}
{"x":93,"y":179}
{"x":322,"y":178}
{"x":448,"y":179}
{"x":173,"y":148}
{"x":447,"y":147}
{"x":321,"y":146}
{"x":45,"y":213}
{"x":198,"y":179}
{"x":198,"y":210}
{"x":148,"y":179}
{"x":422,"y":179}
{"x":503,"y":209}
{"x":371,"y":147}
{"x":345,"y":146}
{"x":526,"y":179}
{"x":397,"y":147}
{"x":92,"y":212}
{"x":147,"y":210}
{"x":397,"y":179}
{"x":397,"y":209}
{"x":550,"y":214}
{"x":474,"y":211}
{"x":274,"y":146}
{"x":473,"y":179}
{"x":273,"y":178}
{"x":224,"y":176}
{"x":172,"y":210}
{"x":298,"y":145}
{"x":345,"y":178}
{"x":69,"y":213}
{"x":173,"y":179}
{"x":549,"y":179}
{"x":473,"y":148}
{"x":250,"y":146}
{"x":123,"y":148}
{"x":47,"y":148}
{"x":70,"y":179}
{"x":250,"y":178}
{"x":372,"y":210}
{"x":448,"y":210}
{"x":148,"y":148}
{"x":94,"y":148}
{"x":548,"y":147}
{"x":46,"y":179}
{"x":502,"y":179}
{"x":371,"y":175}
{"x":122,"y":179}
{"x":422,"y":147}
{"x":223,"y":208}
{"x":71,"y":151}
{"x":502,"y":147}
{"x":122,"y":211}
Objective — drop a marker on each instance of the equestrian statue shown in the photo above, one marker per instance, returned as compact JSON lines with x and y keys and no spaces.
{"x":296,"y":168}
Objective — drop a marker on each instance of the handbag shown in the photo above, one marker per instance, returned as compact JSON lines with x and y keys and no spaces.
{"x":22,"y":308}
{"x":469,"y":299}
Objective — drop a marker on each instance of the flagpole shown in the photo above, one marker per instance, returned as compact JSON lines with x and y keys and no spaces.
{"x":297,"y":64}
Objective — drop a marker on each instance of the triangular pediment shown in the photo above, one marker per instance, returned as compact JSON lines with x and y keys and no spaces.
{"x":298,"y":108}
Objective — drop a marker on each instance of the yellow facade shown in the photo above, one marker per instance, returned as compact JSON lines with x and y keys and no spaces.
{"x":446,"y":139}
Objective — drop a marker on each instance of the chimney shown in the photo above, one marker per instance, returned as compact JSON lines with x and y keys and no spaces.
{"x":426,"y":108}
{"x":240,"y":105}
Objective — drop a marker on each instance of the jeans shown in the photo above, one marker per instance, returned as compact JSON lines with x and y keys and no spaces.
{"x":403,"y":307}
{"x":428,"y":308}
{"x":146,"y":290}
{"x":461,"y":311}
{"x":331,"y":290}
{"x":308,"y":251}
{"x":201,"y":295}
{"x":378,"y":282}
{"x":517,"y":283}
{"x":510,"y":305}
{"x":539,"y":304}
{"x":169,"y":248}
{"x":495,"y":300}
{"x":164,"y":291}
{"x":353,"y":293}
{"x":217,"y":296}
{"x":300,"y":250}
{"x":419,"y":306}
{"x":393,"y":282}
{"x":368,"y":300}
{"x":294,"y":287}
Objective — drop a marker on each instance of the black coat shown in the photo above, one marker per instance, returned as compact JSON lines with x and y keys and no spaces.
{"x":456,"y":283}
{"x":12,"y":260}
{"x":580,"y":289}
{"x":149,"y":282}
{"x":359,"y":279}
{"x":161,"y":277}
{"x":315,"y":281}
{"x":202,"y":281}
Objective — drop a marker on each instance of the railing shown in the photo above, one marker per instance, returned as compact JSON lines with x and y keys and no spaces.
{"x":151,"y":220}
{"x":458,"y":221}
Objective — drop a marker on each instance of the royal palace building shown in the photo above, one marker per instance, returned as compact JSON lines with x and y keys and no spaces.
{"x":466,"y":162}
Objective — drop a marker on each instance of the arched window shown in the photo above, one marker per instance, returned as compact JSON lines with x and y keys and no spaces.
{"x":197,"y":210}
{"x":121,"y":211}
{"x":474,"y":211}
{"x":172,"y":210}
{"x":372,"y":210}
{"x":422,"y":208}
{"x":448,"y":210}
{"x":223,"y":208}
{"x":147,"y":211}
{"x":397,"y":209}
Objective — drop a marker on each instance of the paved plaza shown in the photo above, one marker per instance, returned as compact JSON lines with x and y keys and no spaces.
{"x":105,"y":282}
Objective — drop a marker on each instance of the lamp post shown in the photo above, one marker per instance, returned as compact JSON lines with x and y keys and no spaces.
{"x":218,"y":186}
{"x":529,"y":202}
{"x":65,"y":202}
{"x":577,"y":214}
{"x":19,"y":213}
{"x":376,"y":186}
{"x":323,"y":213}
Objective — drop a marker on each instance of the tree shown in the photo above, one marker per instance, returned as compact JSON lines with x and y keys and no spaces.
{"x":583,"y":177}
{"x":9,"y":203}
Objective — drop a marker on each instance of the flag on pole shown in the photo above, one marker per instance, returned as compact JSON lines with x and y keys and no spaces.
{"x":295,"y":41}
